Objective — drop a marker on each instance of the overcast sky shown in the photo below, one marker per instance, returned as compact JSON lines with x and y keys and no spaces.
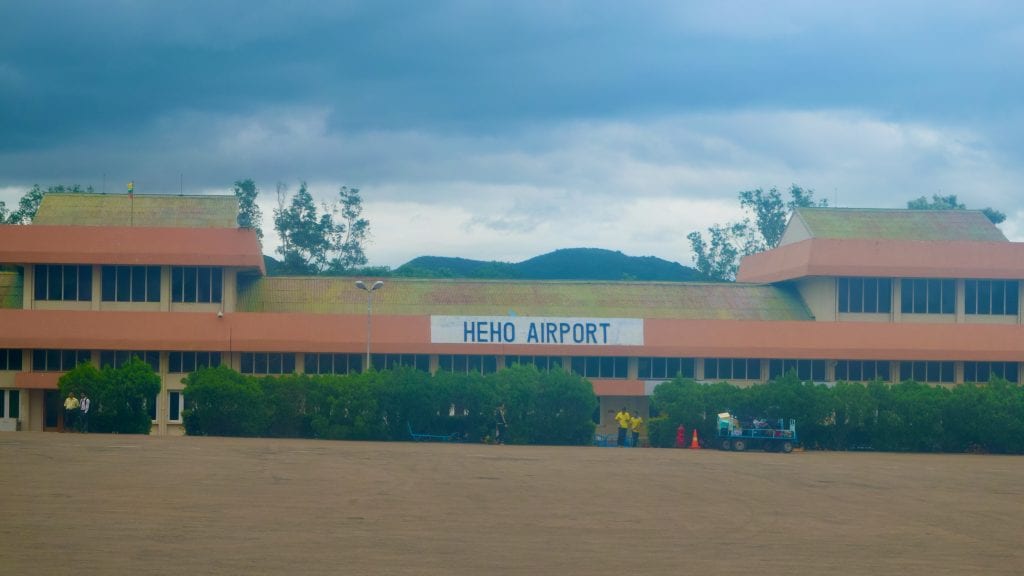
{"x":503,"y":130}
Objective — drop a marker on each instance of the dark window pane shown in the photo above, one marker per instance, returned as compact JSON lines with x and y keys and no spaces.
{"x":14,"y":403}
{"x":984,"y":297}
{"x":884,"y":295}
{"x":856,"y":294}
{"x":948,"y":296}
{"x":355,"y":363}
{"x":998,"y":297}
{"x":907,"y":296}
{"x":870,"y":295}
{"x":40,"y":282}
{"x":138,"y":283}
{"x":774,"y":369}
{"x":177,"y":284}
{"x":190,"y":285}
{"x":218,"y":284}
{"x":107,"y":359}
{"x":644,"y":369}
{"x":70,"y":277}
{"x":971,"y":297}
{"x":934,"y":288}
{"x":39,"y":360}
{"x":906,"y":371}
{"x":204,"y":285}
{"x":174,"y":363}
{"x":274,"y":364}
{"x":247,"y":363}
{"x":710,"y":368}
{"x":124,"y":284}
{"x":151,"y":407}
{"x":843,"y":288}
{"x":947,"y":371}
{"x":56,"y":285}
{"x":85,"y":283}
{"x":174,"y":406}
{"x":310,"y":364}
{"x":108,"y":283}
{"x":288,"y":364}
{"x":152,"y":284}
{"x":1012,"y":297}
{"x":883,"y":371}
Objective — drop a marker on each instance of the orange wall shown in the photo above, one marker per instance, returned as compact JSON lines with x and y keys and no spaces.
{"x":261,"y":332}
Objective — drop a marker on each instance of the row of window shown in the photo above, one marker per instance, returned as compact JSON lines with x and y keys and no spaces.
{"x":10,"y":404}
{"x":68,"y":282}
{"x":928,"y":296}
{"x":175,"y":406}
{"x":614,"y":367}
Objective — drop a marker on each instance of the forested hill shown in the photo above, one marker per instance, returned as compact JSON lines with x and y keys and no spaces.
{"x":565,"y":264}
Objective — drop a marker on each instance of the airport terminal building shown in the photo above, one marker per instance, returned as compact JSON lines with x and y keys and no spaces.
{"x":849,"y":294}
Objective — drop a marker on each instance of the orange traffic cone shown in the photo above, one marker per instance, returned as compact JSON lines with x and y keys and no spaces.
{"x":694,"y":445}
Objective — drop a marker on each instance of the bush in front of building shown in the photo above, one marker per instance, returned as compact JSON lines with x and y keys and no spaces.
{"x":222,"y":402}
{"x":118,"y":397}
{"x":907,"y":416}
{"x":539,"y":407}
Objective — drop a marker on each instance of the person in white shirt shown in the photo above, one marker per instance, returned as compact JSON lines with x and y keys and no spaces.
{"x":83,"y":419}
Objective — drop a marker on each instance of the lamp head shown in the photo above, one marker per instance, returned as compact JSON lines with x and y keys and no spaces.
{"x":377,"y":285}
{"x":360,"y":285}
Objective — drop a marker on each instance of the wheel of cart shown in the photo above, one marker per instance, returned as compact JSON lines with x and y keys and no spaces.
{"x":739,"y":445}
{"x":786,"y":447}
{"x":725,"y":444}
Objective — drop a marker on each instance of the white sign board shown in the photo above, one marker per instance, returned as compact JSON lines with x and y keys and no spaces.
{"x":536,"y":330}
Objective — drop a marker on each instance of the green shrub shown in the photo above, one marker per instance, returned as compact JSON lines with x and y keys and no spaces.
{"x":119,"y":397}
{"x":222,"y":402}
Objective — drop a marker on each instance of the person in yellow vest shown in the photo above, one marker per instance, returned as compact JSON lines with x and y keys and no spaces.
{"x":635,"y":424}
{"x":623,"y":418}
{"x":70,"y":412}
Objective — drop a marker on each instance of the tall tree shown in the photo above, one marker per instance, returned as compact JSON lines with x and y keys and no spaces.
{"x":951,"y":203}
{"x":351,"y":232}
{"x":249,"y":213}
{"x":718,"y":257}
{"x":315,"y":241}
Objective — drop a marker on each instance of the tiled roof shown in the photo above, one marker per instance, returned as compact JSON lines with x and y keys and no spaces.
{"x":152,"y":210}
{"x":883,"y":224}
{"x":11,"y":288}
{"x":500,"y":298}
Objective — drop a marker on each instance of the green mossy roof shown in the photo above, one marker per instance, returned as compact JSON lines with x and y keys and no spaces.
{"x":11,"y":289}
{"x":155,"y":210}
{"x":881,"y":224}
{"x":500,"y":298}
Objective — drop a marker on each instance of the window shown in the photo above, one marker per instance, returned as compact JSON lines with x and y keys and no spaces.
{"x":806,"y":370}
{"x":63,"y":282}
{"x":543,"y":363}
{"x":921,"y":371}
{"x":130,"y":283}
{"x":993,"y":297}
{"x":664,"y":368}
{"x":333,"y":363}
{"x":58,"y":360}
{"x":862,"y":370}
{"x":927,"y":296}
{"x":10,"y":359}
{"x":188,"y":362}
{"x":118,"y":358}
{"x":267,"y":363}
{"x":10,"y":403}
{"x":732,"y":368}
{"x":867,"y":295}
{"x":601,"y":366}
{"x":465,"y":363}
{"x":196,"y":284}
{"x":392,"y":361}
{"x":984,"y":371}
{"x":175,"y":406}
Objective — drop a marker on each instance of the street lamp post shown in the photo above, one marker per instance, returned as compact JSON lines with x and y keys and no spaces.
{"x":369,"y":314}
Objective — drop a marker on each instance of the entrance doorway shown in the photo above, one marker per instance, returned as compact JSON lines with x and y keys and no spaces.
{"x":53,"y":411}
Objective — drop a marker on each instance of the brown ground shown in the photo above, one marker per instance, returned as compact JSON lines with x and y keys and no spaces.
{"x":95,"y":504}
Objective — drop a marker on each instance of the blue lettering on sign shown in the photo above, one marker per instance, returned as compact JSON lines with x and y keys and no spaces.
{"x":563,"y":332}
{"x":489,"y":332}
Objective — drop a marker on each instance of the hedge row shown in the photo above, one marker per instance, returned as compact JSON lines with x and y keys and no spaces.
{"x":540,"y":407}
{"x":909,"y":416}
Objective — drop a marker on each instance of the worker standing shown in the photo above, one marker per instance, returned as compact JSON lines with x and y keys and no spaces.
{"x":635,"y":424}
{"x":623,"y":418}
